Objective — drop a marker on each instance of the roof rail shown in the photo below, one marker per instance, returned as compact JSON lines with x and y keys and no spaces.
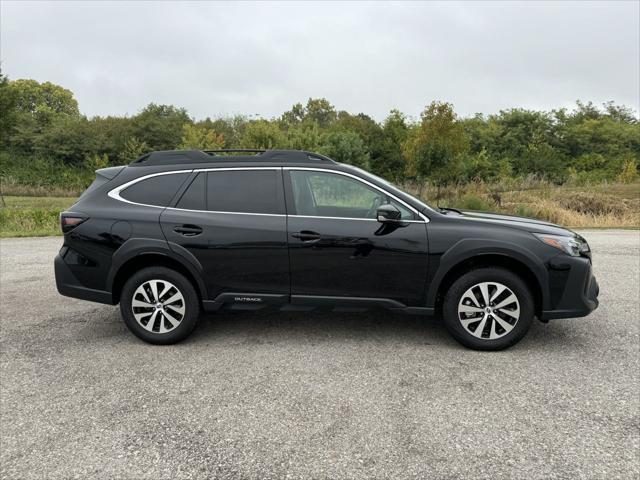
{"x":172,"y":157}
{"x":235,"y":150}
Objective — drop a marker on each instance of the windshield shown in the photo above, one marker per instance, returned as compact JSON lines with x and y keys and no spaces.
{"x":392,"y":187}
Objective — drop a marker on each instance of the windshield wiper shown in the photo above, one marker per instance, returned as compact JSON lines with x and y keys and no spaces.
{"x":449,"y":209}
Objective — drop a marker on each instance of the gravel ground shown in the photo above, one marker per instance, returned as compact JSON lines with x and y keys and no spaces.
{"x":322,"y":395}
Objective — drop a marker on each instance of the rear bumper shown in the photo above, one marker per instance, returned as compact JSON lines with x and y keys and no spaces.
{"x":580,"y":295}
{"x":69,"y":286}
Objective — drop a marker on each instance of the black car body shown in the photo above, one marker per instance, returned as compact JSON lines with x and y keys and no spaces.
{"x":296,"y":230}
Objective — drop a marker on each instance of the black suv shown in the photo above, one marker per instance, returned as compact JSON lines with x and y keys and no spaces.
{"x":176,"y":232}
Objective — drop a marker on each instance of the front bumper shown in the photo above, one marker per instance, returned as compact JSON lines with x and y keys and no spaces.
{"x":579,"y":295}
{"x":69,"y":286}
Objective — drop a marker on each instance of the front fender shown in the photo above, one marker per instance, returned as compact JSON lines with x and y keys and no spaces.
{"x":468,"y":248}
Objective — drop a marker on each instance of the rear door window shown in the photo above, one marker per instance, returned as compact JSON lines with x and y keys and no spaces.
{"x":157,"y":191}
{"x":245,"y":191}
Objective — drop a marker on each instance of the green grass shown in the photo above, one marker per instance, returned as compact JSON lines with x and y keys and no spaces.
{"x":32,"y":216}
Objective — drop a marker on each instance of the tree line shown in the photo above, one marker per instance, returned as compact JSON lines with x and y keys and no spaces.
{"x":41,"y":123}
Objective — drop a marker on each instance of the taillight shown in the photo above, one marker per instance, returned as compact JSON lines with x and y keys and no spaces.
{"x":70,"y":220}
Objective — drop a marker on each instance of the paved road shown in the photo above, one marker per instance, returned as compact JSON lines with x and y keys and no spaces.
{"x":271,"y":395}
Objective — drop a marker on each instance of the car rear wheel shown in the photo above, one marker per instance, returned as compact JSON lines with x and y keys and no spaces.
{"x":159,"y":305}
{"x":488,"y":309}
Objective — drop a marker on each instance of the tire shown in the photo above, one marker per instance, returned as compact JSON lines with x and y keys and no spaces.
{"x":479,"y":328}
{"x":164,"y":322}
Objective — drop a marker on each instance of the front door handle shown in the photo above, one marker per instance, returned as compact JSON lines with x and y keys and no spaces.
{"x":307,"y":236}
{"x":188,"y":230}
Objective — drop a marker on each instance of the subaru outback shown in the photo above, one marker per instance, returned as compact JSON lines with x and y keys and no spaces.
{"x":176,"y":233}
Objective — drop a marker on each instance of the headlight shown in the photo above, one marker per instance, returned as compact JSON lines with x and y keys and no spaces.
{"x":574,"y":246}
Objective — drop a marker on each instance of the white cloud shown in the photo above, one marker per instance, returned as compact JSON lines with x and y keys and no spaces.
{"x":226,"y":58}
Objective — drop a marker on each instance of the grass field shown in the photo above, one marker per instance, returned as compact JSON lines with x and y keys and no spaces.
{"x":613,"y":205}
{"x":610,"y":205}
{"x":32,"y":216}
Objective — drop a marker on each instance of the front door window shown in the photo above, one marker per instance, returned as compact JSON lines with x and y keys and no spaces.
{"x":325,"y":194}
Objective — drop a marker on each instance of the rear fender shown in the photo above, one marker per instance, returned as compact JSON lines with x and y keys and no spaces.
{"x":137,"y":247}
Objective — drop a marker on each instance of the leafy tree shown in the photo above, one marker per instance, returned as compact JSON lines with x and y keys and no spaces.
{"x":480,"y":166}
{"x":293,"y":117}
{"x":486,"y":134}
{"x":620,"y":113}
{"x":362,"y":124}
{"x":542,"y":160}
{"x":345,"y":147}
{"x":96,"y":161}
{"x":8,"y":102}
{"x":395,"y":127}
{"x":434,"y":148}
{"x":160,"y":126}
{"x":304,"y":136}
{"x":262,"y":134}
{"x":23,"y":134}
{"x":43,"y":99}
{"x":586,"y":111}
{"x":199,"y":137}
{"x":112,"y":135}
{"x":317,"y":110}
{"x":36,"y":107}
{"x":605,"y":136}
{"x":42,"y":132}
{"x":67,"y":139}
{"x":389,"y":161}
{"x":589,"y":162}
{"x":367,"y":128}
{"x":519,"y":129}
{"x":231,"y":129}
{"x":133,"y":149}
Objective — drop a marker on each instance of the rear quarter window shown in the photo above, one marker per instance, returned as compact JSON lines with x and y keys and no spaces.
{"x":157,"y":191}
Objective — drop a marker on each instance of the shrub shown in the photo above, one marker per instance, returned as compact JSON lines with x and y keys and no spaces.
{"x":629,"y":171}
{"x":473,"y":202}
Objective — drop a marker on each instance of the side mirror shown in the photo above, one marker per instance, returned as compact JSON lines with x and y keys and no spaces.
{"x":388,"y":213}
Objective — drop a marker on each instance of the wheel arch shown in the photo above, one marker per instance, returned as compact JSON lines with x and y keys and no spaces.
{"x":456,"y":263}
{"x":137,"y":256}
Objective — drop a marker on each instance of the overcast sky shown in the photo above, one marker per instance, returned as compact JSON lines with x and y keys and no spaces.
{"x":259,"y":58}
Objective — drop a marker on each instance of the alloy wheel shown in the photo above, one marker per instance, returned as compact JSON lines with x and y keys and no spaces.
{"x":158,"y":306}
{"x":489,"y":310}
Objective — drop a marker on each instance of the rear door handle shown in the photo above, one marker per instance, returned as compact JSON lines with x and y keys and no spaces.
{"x":307,"y":236}
{"x":188,"y":230}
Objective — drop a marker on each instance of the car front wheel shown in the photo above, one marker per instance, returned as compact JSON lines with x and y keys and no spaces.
{"x":488,"y":309}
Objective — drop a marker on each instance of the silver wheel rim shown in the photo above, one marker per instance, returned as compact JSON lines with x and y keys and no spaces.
{"x":158,"y":306}
{"x":489,"y":310}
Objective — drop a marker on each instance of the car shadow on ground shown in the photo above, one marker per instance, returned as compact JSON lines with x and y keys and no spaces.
{"x":319,"y":326}
{"x":375,"y":326}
